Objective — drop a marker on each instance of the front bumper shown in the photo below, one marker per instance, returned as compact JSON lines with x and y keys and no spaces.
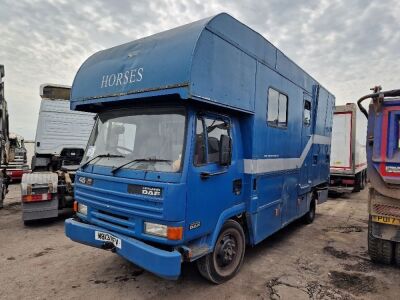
{"x":163,"y":263}
{"x":341,"y":190}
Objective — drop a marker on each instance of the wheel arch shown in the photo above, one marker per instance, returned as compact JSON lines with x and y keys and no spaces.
{"x":231,"y":213}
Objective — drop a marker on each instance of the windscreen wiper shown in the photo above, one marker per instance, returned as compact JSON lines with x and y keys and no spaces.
{"x":99,"y":156}
{"x":138,"y":160}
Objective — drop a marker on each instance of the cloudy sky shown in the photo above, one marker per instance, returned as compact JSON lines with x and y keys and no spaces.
{"x":347,"y":45}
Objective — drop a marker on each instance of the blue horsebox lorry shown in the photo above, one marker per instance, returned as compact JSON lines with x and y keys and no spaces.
{"x":207,"y":139}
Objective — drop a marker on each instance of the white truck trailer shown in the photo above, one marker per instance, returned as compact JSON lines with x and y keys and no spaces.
{"x":61,"y":138}
{"x":348,"y":153}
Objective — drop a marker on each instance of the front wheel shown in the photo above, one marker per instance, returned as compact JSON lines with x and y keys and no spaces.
{"x":225,"y":261}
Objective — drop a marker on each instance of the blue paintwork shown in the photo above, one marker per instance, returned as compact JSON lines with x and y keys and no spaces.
{"x":166,"y":264}
{"x":214,"y":66}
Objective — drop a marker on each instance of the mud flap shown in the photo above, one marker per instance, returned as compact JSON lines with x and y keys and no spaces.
{"x":322,"y":196}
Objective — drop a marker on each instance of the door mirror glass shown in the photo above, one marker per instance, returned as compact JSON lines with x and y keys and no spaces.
{"x":225,"y":154}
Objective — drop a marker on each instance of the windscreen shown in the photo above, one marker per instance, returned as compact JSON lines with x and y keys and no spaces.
{"x":144,"y":139}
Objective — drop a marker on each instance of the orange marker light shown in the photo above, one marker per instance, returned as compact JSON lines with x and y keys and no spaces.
{"x":75,"y":206}
{"x":175,"y":233}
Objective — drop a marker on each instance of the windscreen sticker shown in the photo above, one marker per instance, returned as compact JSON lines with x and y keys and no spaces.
{"x":91,"y":151}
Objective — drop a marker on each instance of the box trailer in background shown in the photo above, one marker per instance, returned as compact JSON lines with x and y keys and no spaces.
{"x":61,"y":138}
{"x":348,"y":157}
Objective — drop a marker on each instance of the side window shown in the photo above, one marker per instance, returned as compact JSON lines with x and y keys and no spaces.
{"x":307,"y":112}
{"x":200,"y":147}
{"x":277,"y":108}
{"x":215,"y":128}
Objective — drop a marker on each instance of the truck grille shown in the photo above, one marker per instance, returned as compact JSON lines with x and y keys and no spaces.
{"x":387,"y":210}
{"x":117,"y":211}
{"x":113,"y":222}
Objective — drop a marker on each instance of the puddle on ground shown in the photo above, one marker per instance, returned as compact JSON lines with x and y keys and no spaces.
{"x":336,"y":253}
{"x":345,"y":228}
{"x":355,"y":283}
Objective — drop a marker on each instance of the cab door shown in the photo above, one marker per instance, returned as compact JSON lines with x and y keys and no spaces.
{"x":212,"y":188}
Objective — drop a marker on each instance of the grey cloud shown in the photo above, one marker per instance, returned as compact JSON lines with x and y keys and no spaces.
{"x":347,"y":45}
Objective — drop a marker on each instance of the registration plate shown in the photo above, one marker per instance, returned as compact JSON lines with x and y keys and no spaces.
{"x":106,"y":237}
{"x":386,"y":220}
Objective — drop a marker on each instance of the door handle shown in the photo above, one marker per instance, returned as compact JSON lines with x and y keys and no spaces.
{"x":206,"y":175}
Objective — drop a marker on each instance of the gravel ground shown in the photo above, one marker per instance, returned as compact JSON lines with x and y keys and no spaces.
{"x":325,"y":260}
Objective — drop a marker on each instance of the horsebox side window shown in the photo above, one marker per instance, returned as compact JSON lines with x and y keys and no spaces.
{"x":307,"y":112}
{"x":277,"y":109}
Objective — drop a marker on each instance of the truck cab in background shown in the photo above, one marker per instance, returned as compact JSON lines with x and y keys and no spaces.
{"x":61,"y":138}
{"x":383,"y":157}
{"x":348,"y":166}
{"x":208,"y":139}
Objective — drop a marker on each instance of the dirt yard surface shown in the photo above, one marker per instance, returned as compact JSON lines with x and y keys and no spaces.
{"x":325,"y":260}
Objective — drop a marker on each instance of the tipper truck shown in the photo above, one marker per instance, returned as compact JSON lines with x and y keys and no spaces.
{"x":61,"y":137}
{"x":383,"y":157}
{"x":348,"y":155}
{"x":208,"y":138}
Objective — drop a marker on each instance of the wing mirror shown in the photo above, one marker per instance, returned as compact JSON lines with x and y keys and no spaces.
{"x":225,"y":150}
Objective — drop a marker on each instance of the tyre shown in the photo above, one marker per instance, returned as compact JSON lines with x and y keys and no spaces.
{"x":362,"y":182}
{"x":357,"y":183}
{"x":29,"y":223}
{"x":2,"y":195}
{"x":397,"y":254}
{"x":380,"y":251}
{"x":225,"y":261}
{"x":309,"y":217}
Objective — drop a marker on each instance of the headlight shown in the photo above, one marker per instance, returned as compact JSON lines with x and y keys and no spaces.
{"x":155,"y":229}
{"x":82,"y":208}
{"x":171,"y":233}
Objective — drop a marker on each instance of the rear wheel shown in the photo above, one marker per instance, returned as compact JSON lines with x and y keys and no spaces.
{"x":362,"y":184}
{"x":309,"y":217}
{"x":380,"y":251}
{"x":397,"y":254}
{"x":357,"y":183}
{"x":225,"y":261}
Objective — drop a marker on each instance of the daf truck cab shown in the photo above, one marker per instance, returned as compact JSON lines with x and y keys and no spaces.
{"x":207,"y":139}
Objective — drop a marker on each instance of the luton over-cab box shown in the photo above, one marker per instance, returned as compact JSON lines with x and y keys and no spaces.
{"x":207,"y":138}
